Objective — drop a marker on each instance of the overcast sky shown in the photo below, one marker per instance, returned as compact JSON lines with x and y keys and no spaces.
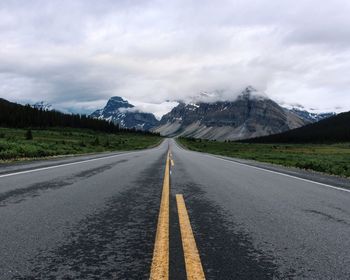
{"x":76,"y":54}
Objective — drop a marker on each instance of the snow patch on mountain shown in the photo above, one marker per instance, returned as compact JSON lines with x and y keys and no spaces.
{"x":121,"y":112}
{"x":225,"y":95}
{"x":310,"y":114}
{"x":42,"y":105}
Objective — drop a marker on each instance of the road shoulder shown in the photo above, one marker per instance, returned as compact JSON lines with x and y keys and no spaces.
{"x":22,"y":166}
{"x":318,"y":177}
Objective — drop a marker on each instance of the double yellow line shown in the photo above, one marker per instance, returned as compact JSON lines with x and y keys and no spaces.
{"x":160,"y":261}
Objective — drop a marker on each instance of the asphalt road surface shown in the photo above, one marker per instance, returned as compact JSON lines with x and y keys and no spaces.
{"x":96,"y":217}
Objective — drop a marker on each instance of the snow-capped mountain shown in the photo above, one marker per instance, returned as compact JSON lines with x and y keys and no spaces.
{"x":252,"y":114}
{"x":42,"y":105}
{"x":121,"y":112}
{"x":311,"y":116}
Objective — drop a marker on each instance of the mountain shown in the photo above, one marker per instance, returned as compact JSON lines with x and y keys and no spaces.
{"x":307,"y":115}
{"x":41,"y":105}
{"x":331,"y":130}
{"x":15,"y":115}
{"x":252,"y":114}
{"x":120,"y":111}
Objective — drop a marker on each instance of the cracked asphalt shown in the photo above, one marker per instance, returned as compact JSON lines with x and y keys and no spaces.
{"x":97,"y":219}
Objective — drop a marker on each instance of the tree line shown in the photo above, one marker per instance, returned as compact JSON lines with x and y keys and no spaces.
{"x":18,"y":116}
{"x":330,"y":130}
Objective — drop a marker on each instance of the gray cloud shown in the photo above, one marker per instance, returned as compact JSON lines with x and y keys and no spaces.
{"x":76,"y":54}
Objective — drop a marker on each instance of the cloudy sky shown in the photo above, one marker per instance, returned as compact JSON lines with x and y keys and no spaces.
{"x":76,"y":54}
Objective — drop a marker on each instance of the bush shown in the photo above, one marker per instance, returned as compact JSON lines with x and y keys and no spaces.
{"x":107,"y":143}
{"x":29,"y":135}
{"x":96,"y":142}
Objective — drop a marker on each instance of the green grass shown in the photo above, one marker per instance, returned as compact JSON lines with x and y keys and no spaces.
{"x":67,"y":141}
{"x":328,"y":158}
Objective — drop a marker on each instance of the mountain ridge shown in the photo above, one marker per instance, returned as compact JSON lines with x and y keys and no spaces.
{"x":330,"y":130}
{"x":252,"y":114}
{"x":310,"y":116}
{"x":121,"y":112}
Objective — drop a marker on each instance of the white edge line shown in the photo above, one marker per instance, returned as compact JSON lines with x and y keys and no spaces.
{"x":57,"y":166}
{"x":65,"y":164}
{"x":270,"y":171}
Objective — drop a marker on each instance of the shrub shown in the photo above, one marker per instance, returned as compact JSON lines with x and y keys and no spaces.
{"x":96,"y":142}
{"x":29,"y":135}
{"x":107,"y":143}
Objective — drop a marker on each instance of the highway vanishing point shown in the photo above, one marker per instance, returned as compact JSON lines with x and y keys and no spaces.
{"x":170,"y":213}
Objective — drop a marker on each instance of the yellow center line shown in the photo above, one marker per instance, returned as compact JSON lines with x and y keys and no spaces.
{"x":193,"y":263}
{"x":160,"y":261}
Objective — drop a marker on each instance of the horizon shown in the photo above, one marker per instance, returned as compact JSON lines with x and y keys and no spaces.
{"x":168,"y":105}
{"x":151,"y":51}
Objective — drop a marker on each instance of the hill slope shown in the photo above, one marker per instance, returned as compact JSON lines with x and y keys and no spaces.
{"x":333,"y":129}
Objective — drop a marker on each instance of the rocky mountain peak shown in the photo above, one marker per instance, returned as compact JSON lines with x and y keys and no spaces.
{"x":249,"y":89}
{"x":116,"y":111}
{"x":117,"y":102}
{"x":251,"y":114}
{"x":250,"y":93}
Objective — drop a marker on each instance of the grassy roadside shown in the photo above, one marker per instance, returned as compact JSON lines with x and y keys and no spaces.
{"x":328,"y":158}
{"x":14,"y":144}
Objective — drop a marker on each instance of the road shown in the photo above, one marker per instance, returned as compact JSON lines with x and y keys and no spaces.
{"x":96,"y":217}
